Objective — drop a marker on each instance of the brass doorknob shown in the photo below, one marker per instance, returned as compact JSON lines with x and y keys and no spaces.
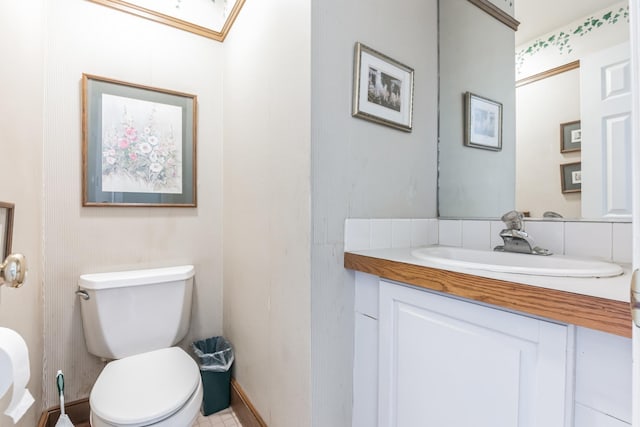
{"x":13,"y":270}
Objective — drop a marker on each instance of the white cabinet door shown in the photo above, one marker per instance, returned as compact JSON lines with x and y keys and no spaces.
{"x":446,"y":362}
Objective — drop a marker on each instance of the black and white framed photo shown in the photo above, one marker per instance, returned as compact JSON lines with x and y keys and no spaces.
{"x":570,"y":137}
{"x":382,"y":89}
{"x":483,"y":123}
{"x":571,"y":177}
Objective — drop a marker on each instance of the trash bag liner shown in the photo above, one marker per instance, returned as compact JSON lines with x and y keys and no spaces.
{"x":215,"y":354}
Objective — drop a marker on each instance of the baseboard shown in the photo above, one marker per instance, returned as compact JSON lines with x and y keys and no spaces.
{"x":78,"y":412}
{"x":243,"y":408}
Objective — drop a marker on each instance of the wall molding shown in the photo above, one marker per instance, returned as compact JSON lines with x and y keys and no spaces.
{"x":497,"y":13}
{"x":548,"y":73}
{"x":243,"y":408}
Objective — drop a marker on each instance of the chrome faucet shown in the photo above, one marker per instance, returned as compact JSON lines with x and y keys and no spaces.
{"x":515,"y":238}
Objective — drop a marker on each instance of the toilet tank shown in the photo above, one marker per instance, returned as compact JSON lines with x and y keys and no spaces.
{"x":132,"y":312}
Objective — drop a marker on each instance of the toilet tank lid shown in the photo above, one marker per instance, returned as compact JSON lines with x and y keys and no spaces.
{"x":150,"y":276}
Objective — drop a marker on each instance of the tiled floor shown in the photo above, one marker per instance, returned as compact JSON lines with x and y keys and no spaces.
{"x":224,"y":418}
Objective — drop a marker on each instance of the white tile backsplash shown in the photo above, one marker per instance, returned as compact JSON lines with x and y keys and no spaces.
{"x":420,"y":232}
{"x":357,"y":234}
{"x":476,"y":235}
{"x":547,"y":234}
{"x":588,"y":239}
{"x":605,"y":240}
{"x":450,"y":232}
{"x":400,"y":233}
{"x":434,"y":232}
{"x":362,"y":234}
{"x":380,"y":233}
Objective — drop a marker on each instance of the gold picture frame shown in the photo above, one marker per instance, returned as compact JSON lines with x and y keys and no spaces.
{"x":138,"y":145}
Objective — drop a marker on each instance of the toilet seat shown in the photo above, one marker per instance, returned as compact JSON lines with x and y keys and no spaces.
{"x":146,"y":389}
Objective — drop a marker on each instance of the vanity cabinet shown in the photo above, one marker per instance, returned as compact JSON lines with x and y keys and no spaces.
{"x":445,"y":361}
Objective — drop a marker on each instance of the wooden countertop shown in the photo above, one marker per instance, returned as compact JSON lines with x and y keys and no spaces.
{"x":603,"y":314}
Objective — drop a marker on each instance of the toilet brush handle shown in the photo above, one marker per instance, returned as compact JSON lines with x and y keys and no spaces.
{"x":60,"y":384}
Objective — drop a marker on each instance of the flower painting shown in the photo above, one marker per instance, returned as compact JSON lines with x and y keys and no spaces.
{"x":141,"y":146}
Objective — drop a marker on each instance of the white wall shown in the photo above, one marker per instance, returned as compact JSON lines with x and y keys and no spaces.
{"x":82,"y":36}
{"x":541,"y":107}
{"x":267,"y":111}
{"x":476,"y":55}
{"x":361,"y":169}
{"x":21,"y":80}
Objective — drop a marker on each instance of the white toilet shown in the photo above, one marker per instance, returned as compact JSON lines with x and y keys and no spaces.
{"x":134,"y":318}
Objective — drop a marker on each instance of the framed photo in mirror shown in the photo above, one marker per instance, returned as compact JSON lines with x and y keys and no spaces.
{"x":571,"y":177}
{"x":483,"y":123}
{"x":6,"y":229}
{"x":570,"y":137}
{"x":382,"y":89}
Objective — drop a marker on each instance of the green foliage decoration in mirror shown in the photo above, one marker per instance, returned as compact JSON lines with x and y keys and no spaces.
{"x":562,"y":40}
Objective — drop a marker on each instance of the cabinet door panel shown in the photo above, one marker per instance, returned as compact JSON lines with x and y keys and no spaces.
{"x":447,"y":362}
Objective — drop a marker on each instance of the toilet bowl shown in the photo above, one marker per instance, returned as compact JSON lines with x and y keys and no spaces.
{"x":161,"y":388}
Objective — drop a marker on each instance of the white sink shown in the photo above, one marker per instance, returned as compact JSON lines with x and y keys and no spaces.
{"x":508,"y":262}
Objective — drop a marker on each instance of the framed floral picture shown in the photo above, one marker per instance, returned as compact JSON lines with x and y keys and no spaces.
{"x":139,"y":145}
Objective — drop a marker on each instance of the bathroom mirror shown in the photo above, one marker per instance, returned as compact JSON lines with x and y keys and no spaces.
{"x":208,"y":18}
{"x":478,"y":54}
{"x":6,"y":228}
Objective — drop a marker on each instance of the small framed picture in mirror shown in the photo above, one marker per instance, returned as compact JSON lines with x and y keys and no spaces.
{"x":483,"y":123}
{"x":571,"y":177}
{"x":570,"y":137}
{"x":6,"y":229}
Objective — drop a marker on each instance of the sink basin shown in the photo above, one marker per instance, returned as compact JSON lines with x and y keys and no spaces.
{"x":507,"y":262}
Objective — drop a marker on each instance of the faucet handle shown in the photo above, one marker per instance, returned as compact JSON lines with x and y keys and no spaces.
{"x":513,"y":220}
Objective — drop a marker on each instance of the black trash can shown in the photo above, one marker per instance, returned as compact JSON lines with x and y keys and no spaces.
{"x":216,"y":357}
